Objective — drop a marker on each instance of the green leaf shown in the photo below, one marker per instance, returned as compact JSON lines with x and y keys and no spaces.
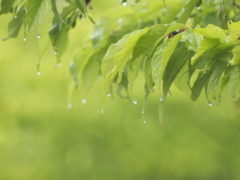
{"x":224,"y":80}
{"x":148,"y":41}
{"x":161,"y":57}
{"x":187,"y":10}
{"x":205,"y":45}
{"x":234,"y":81}
{"x":78,"y":64}
{"x":182,"y":79}
{"x":118,"y":55}
{"x":15,"y":24}
{"x":148,"y":76}
{"x":59,"y":38}
{"x":179,"y":57}
{"x":200,"y":83}
{"x":54,"y":9}
{"x":90,"y":73}
{"x":216,"y":75}
{"x":6,"y":6}
{"x":234,"y":31}
{"x":236,"y":56}
{"x":35,"y":11}
{"x":191,"y":40}
{"x":213,"y":32}
{"x":81,"y":4}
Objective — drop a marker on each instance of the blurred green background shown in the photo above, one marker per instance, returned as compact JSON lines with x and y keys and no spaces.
{"x":41,"y":140}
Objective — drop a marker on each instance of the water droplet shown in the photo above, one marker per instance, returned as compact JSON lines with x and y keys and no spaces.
{"x":102,"y":111}
{"x":135,"y":101}
{"x":162,"y":99}
{"x":84,"y":101}
{"x":108,"y":94}
{"x":143,"y":111}
{"x":144,"y":122}
{"x":210,"y":104}
{"x":124,"y":3}
{"x":58,"y":64}
{"x":69,"y":105}
{"x":25,"y":39}
{"x":169,"y":93}
{"x":15,"y":17}
{"x":55,"y":52}
{"x":39,"y":73}
{"x":151,"y":90}
{"x":198,"y":7}
{"x":38,"y":36}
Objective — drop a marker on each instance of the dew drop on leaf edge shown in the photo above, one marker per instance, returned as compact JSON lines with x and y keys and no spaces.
{"x":135,"y":101}
{"x":162,"y":99}
{"x":210,"y":104}
{"x":108,"y":94}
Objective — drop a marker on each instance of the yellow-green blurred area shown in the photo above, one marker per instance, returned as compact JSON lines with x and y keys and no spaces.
{"x":41,"y":140}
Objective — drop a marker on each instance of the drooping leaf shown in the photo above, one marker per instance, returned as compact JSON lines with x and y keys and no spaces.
{"x":187,"y":10}
{"x":224,"y":80}
{"x":118,"y":55}
{"x":6,"y":6}
{"x":161,"y":57}
{"x":182,"y":79}
{"x":59,"y":38}
{"x":15,"y":24}
{"x":54,"y":9}
{"x":35,"y":11}
{"x":236,"y":56}
{"x":178,"y":58}
{"x":81,"y":4}
{"x":234,"y":83}
{"x":200,"y":83}
{"x":216,"y":75}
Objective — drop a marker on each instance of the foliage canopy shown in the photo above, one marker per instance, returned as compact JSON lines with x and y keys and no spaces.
{"x":194,"y":44}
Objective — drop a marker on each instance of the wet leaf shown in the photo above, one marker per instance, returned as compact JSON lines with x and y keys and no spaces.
{"x":179,"y":57}
{"x":15,"y":24}
{"x":118,"y":55}
{"x":199,"y":84}
{"x":213,"y":32}
{"x":187,"y":10}
{"x":207,"y":44}
{"x":234,"y":83}
{"x":35,"y":11}
{"x":161,"y":57}
{"x":6,"y":6}
{"x":236,"y":56}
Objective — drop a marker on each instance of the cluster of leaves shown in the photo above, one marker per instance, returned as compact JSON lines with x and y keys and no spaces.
{"x":31,"y":14}
{"x":194,"y":44}
{"x":205,"y":57}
